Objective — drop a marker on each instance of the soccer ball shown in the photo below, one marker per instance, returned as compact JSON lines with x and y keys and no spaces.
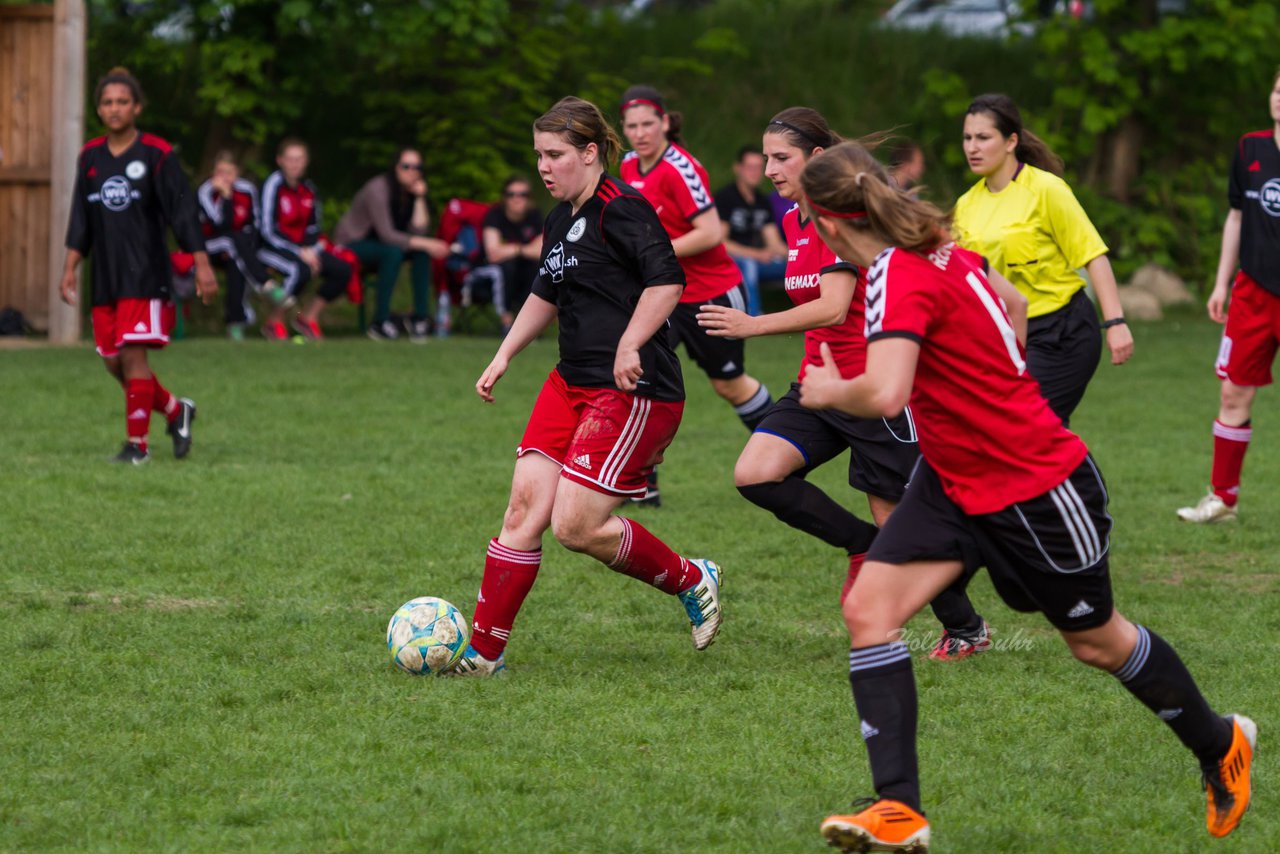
{"x":427,"y":635}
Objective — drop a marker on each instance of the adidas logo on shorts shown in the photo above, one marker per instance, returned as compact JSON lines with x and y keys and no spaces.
{"x":583,"y":461}
{"x":1082,"y":609}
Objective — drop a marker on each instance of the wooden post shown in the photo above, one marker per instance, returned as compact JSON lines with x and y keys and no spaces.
{"x":66,"y":138}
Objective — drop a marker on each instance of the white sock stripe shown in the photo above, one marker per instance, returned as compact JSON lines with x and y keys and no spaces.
{"x":757,"y":401}
{"x":1089,"y":529}
{"x":624,"y":547}
{"x":1233,"y":434}
{"x":1137,"y":659}
{"x":501,"y":552}
{"x":626,"y":444}
{"x":878,"y":656}
{"x":1062,"y":501}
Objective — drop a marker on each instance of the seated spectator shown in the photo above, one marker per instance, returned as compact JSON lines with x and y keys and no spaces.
{"x":513,"y":243}
{"x":229,"y":219}
{"x":292,"y":243}
{"x":386,"y":226}
{"x":906,"y":163}
{"x":750,"y":233}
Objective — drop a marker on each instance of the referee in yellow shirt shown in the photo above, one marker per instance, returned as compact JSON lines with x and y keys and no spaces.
{"x":1027,"y":223}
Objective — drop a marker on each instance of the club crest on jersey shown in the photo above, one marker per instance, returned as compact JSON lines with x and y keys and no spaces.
{"x":578,"y":229}
{"x":136,"y":169}
{"x":1269,"y":198}
{"x":116,"y":193}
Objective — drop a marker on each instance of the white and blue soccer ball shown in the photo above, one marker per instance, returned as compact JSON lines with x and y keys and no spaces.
{"x":427,"y":636}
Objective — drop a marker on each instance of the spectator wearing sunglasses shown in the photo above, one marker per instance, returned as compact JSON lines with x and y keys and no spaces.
{"x":513,"y":242}
{"x":385,"y":227}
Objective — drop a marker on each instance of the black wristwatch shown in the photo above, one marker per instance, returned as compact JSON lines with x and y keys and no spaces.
{"x":1115,"y":321}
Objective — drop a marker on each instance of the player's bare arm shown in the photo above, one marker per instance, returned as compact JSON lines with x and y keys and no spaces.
{"x":70,"y":278}
{"x":705,"y":235}
{"x":829,"y":309}
{"x":653,"y":309}
{"x":1228,"y":260}
{"x":882,"y":392}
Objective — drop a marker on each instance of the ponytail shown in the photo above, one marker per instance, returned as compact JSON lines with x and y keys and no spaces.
{"x":847,"y":183}
{"x":1008,"y":120}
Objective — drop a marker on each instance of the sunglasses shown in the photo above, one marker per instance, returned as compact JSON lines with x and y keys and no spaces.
{"x":516,"y":194}
{"x":410,"y":167}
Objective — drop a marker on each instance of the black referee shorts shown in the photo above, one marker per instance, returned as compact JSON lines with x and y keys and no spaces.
{"x":1063,"y":350}
{"x":882,"y":450}
{"x":1049,"y":554}
{"x":719,"y":358}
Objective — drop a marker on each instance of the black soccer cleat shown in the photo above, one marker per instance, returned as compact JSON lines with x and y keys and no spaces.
{"x":131,"y":453}
{"x":180,"y":427}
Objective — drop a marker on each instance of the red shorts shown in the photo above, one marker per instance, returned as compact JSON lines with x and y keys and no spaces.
{"x":131,"y":321}
{"x":607,"y":440}
{"x":1252,"y":335}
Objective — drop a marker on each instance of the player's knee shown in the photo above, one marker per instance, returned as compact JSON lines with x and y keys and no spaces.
{"x":573,"y":532}
{"x":1096,"y":654}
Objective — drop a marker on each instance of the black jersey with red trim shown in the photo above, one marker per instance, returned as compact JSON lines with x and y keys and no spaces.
{"x":221,"y":215}
{"x":119,"y":211}
{"x":596,"y":264}
{"x":1254,"y":190}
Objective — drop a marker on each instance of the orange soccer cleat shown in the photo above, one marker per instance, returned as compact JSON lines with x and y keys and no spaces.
{"x":1227,"y":786}
{"x":883,"y":826}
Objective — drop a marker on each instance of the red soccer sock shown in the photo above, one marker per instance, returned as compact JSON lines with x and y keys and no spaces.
{"x":642,"y":555}
{"x":1229,"y":447}
{"x":137,"y":409}
{"x":855,"y":566}
{"x":163,"y":401}
{"x":508,"y":577}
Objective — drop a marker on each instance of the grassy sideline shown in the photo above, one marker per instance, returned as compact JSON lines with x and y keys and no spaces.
{"x":193,"y":653}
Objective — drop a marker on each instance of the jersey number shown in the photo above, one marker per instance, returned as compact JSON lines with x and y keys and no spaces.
{"x":998,"y":315}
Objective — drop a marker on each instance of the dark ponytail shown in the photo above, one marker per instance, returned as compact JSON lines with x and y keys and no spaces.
{"x":1008,"y":120}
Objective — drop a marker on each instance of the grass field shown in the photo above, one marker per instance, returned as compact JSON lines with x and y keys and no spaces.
{"x":193,"y":653}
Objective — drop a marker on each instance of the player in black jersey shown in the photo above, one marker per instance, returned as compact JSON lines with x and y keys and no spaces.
{"x":129,"y":186}
{"x":609,"y":408}
{"x":1250,"y":253}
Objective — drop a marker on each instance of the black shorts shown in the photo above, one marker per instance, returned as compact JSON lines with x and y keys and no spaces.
{"x":719,"y":358}
{"x":1048,"y":554}
{"x":882,"y":450}
{"x":1063,"y":349}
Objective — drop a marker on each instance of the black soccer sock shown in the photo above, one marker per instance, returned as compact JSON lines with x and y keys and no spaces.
{"x":1156,"y":675}
{"x":754,"y":409}
{"x":954,"y":610}
{"x":805,"y":507}
{"x":884,"y":691}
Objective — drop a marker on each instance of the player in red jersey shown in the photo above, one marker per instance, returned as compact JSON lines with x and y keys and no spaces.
{"x":792,"y":441}
{"x":1001,"y":483}
{"x":129,"y":186}
{"x":1250,"y":253}
{"x":677,"y":186}
{"x":612,"y":404}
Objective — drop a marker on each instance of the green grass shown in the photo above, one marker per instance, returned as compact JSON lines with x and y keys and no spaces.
{"x":192,"y":656}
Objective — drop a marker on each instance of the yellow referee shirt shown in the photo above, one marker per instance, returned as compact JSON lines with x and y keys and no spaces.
{"x":1034,"y":232}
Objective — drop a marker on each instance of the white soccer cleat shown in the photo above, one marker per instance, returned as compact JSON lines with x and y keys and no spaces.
{"x":702,"y":603}
{"x":473,"y":663}
{"x":1210,"y":509}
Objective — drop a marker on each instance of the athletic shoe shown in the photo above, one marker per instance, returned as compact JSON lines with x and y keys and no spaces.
{"x":235,"y":331}
{"x":384,"y":331}
{"x":131,"y":453}
{"x":1210,"y":509}
{"x":883,"y":826}
{"x":473,"y":663}
{"x":953,"y":646}
{"x":420,"y":331}
{"x":1227,"y":784}
{"x":308,"y":329}
{"x":702,"y":603}
{"x":180,"y":427}
{"x":275,"y":331}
